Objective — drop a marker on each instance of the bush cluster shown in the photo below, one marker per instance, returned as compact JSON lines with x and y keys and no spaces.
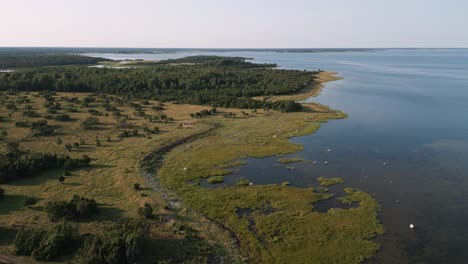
{"x":122,"y":243}
{"x":76,"y":209}
{"x":17,"y":165}
{"x":46,"y":245}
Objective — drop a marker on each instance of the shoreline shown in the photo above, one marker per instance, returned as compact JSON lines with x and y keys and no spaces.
{"x":265,"y":135}
{"x":313,"y":90}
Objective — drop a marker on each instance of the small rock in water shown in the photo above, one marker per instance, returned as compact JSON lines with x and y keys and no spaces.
{"x":314,"y":162}
{"x":397,"y":201}
{"x":411,"y":226}
{"x":328,"y":150}
{"x":326,"y":162}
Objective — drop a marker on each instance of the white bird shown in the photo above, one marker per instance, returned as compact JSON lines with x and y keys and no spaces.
{"x":326,"y":162}
{"x":411,"y":226}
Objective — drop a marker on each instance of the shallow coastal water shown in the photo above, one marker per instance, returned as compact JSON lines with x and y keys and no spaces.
{"x":405,"y":140}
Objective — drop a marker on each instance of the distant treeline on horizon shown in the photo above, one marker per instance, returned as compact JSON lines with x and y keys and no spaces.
{"x":59,"y":50}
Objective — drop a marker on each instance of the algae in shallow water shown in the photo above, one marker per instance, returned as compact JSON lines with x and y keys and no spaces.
{"x":329,"y":181}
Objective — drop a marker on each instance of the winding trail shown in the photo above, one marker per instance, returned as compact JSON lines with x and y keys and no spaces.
{"x":210,"y":230}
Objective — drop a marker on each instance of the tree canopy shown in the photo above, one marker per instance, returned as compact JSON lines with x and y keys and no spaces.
{"x":215,"y":81}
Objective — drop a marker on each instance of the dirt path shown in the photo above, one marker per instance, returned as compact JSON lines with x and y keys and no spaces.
{"x":208,"y":229}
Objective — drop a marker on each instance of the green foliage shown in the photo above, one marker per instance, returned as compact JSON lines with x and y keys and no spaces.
{"x":31,"y":114}
{"x":89,"y":123}
{"x":46,"y":245}
{"x":146,"y":211}
{"x":41,"y":128}
{"x":16,"y":165}
{"x":242,"y":183}
{"x":231,"y":85}
{"x":127,"y":133}
{"x":61,"y":178}
{"x":76,"y":209}
{"x":204,"y":112}
{"x":11,"y":61}
{"x":29,"y":201}
{"x":215,"y":179}
{"x":3,"y":134}
{"x":23,"y":124}
{"x":122,"y":243}
{"x":63,"y":118}
{"x":329,"y":181}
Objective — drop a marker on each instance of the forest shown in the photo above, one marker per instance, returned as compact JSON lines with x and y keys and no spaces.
{"x":212,"y":61}
{"x":13,"y":60}
{"x":216,"y":82}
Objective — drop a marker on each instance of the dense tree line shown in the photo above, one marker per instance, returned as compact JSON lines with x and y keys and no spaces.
{"x":121,"y":243}
{"x":16,"y":165}
{"x":12,"y":61}
{"x":194,"y":84}
{"x":46,"y":244}
{"x":211,"y":61}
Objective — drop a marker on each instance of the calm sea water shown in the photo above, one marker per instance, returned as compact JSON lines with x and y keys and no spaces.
{"x":405,"y":141}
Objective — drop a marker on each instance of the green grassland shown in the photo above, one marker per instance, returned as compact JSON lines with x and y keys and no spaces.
{"x":110,"y":179}
{"x":281,"y":225}
{"x":253,"y":224}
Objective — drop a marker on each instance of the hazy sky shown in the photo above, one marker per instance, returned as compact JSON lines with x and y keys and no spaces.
{"x":235,"y":23}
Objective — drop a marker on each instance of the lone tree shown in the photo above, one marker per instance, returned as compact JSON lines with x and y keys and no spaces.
{"x":61,"y":179}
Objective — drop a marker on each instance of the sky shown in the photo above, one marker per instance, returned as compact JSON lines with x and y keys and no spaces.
{"x":234,"y":23}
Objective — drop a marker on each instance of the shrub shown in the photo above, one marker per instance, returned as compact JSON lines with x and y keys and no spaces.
{"x":242,"y":183}
{"x":215,"y":179}
{"x":23,"y":124}
{"x":61,"y":178}
{"x":2,"y":193}
{"x":94,"y":112}
{"x":122,"y":243}
{"x":75,"y":209}
{"x":46,"y":245}
{"x":136,"y":186}
{"x":41,"y":128}
{"x":146,"y":211}
{"x":31,"y":114}
{"x":63,"y":118}
{"x":29,"y":201}
{"x":90,"y":123}
{"x":3,"y":134}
